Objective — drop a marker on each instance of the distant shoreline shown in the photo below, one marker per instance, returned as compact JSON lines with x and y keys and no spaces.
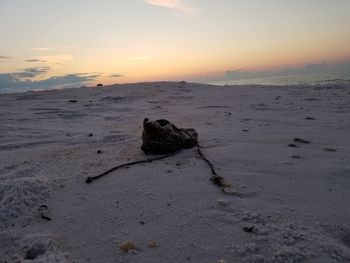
{"x":248,"y":83}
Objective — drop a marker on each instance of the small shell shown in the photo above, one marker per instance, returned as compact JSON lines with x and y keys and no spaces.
{"x":230,"y":190}
{"x":152,"y":244}
{"x":222,"y":261}
{"x":127,"y":245}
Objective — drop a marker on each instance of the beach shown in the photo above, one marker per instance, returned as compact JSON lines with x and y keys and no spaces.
{"x":284,"y":149}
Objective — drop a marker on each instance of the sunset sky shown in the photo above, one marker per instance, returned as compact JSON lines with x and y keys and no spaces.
{"x":55,"y":42}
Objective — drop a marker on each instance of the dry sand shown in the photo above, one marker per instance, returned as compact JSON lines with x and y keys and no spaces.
{"x":295,"y":202}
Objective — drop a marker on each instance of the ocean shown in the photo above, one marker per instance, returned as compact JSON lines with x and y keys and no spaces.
{"x":305,"y":79}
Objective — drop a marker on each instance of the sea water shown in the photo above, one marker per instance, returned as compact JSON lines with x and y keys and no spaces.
{"x":302,"y":79}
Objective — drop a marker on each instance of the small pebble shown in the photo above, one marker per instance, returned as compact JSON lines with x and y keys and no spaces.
{"x":45,"y":215}
{"x":327,"y":149}
{"x":249,"y":229}
{"x":127,"y":245}
{"x":229,"y":190}
{"x":301,"y":140}
{"x":99,"y":151}
{"x":90,"y":135}
{"x":152,"y":244}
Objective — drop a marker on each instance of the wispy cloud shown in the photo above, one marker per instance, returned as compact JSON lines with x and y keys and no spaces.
{"x":115,"y":76}
{"x":53,"y":48}
{"x":4,"y":57}
{"x":31,"y":72}
{"x":177,"y":5}
{"x":34,"y":60}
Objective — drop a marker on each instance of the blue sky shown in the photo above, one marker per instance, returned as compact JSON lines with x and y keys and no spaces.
{"x":143,"y":40}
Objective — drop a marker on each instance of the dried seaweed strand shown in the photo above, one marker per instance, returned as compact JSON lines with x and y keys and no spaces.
{"x":215,"y":178}
{"x":90,"y":179}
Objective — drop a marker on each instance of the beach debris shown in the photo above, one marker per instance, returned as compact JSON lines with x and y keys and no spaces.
{"x":44,"y":212}
{"x":99,"y":85}
{"x":296,"y":156}
{"x":249,"y":229}
{"x":310,"y":118}
{"x":221,"y":261}
{"x":98,"y":151}
{"x":90,"y":179}
{"x":127,"y":246}
{"x":162,"y":137}
{"x":301,"y":140}
{"x":152,"y":244}
{"x":311,"y":99}
{"x":73,"y":101}
{"x":90,"y":135}
{"x":219,"y":181}
{"x":328,"y":149}
{"x":230,"y":190}
{"x":245,"y":130}
{"x":142,"y":223}
{"x":292,"y":145}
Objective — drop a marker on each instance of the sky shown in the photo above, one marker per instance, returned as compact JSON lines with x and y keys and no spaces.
{"x":60,"y":43}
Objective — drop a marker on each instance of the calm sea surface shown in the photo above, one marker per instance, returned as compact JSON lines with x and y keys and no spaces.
{"x":310,"y":79}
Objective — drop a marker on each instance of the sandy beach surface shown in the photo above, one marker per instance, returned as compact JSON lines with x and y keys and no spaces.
{"x":294,"y":201}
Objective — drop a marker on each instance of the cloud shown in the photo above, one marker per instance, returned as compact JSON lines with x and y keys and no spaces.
{"x":177,"y":5}
{"x":115,"y":76}
{"x":34,"y":60}
{"x":22,"y":81}
{"x":53,"y":48}
{"x":32,"y":72}
{"x":4,"y":57}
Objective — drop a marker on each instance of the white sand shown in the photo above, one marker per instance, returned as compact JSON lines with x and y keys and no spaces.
{"x":299,"y":207}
